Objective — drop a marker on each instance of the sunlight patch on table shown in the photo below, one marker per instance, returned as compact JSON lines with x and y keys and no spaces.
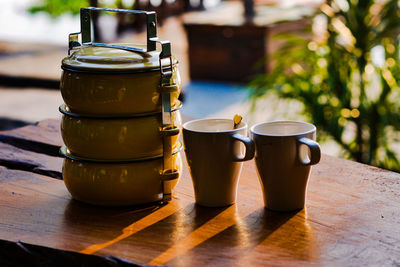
{"x":216,"y":225}
{"x":135,"y":227}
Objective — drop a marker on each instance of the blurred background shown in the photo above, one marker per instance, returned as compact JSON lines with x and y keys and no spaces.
{"x":332,"y":63}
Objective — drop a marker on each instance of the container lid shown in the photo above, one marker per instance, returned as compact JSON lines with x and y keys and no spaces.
{"x":105,"y":59}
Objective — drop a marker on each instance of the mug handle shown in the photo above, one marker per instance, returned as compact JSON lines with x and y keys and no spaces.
{"x":315,"y":151}
{"x":249,"y":145}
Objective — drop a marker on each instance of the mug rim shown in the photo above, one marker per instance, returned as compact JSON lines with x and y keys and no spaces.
{"x":184,"y":126}
{"x":313,"y":128}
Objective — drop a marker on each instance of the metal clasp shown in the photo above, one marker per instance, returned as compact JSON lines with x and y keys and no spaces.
{"x":168,"y":177}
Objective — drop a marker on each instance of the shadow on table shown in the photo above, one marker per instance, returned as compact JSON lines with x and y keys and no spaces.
{"x":260,"y":235}
{"x":143,"y":224}
{"x":8,"y":124}
{"x":175,"y":234}
{"x":81,"y":217}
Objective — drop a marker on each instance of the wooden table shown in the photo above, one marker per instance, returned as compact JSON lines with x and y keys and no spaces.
{"x":224,"y":45}
{"x":352,"y":215}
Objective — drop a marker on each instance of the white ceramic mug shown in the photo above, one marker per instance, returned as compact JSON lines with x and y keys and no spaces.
{"x":215,"y":157}
{"x":285,"y":151}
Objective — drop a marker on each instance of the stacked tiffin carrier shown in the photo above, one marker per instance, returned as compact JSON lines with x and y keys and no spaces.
{"x":120,"y":121}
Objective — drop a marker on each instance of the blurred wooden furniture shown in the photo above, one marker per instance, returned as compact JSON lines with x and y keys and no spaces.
{"x":351,"y":218}
{"x":225,"y":45}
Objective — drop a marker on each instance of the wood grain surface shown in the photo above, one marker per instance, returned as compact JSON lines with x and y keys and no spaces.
{"x":352,"y":215}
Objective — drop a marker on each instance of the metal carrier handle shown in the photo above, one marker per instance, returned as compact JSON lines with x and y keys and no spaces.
{"x":152,"y":39}
{"x":166,"y":87}
{"x":151,"y":24}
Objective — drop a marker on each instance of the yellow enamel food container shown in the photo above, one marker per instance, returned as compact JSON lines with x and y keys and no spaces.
{"x":108,"y":81}
{"x":127,"y":138}
{"x":118,"y":183}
